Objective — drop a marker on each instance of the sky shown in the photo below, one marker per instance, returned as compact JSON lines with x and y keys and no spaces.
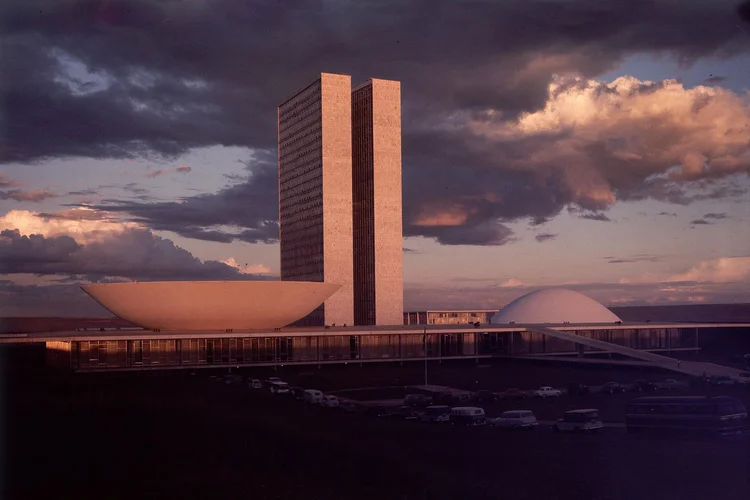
{"x":598,"y":146}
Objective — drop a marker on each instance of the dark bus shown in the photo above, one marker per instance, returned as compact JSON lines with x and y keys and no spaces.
{"x":717,"y":415}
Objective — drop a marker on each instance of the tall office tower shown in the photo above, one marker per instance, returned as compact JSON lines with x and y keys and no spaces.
{"x":315,"y":193}
{"x":376,"y":182}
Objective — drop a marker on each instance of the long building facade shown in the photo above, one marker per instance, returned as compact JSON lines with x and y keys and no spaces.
{"x":315,"y":193}
{"x":138,"y":350}
{"x":376,"y":164}
{"x":340,"y":198}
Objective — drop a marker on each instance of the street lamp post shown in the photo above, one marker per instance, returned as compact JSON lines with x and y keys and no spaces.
{"x":424,"y":341}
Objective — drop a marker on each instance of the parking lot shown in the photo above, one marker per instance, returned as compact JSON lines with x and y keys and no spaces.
{"x":183,"y":435}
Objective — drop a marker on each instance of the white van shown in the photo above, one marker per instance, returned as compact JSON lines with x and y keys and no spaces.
{"x":516,"y":419}
{"x":313,"y":396}
{"x":579,"y":420}
{"x":467,"y":415}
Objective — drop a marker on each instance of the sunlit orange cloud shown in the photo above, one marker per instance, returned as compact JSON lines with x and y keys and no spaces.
{"x":434,"y":216}
{"x":721,"y":270}
{"x":247,"y":268}
{"x":84,"y":225}
{"x":640,"y":128}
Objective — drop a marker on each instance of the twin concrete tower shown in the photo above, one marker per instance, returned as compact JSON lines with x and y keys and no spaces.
{"x":340,"y":197}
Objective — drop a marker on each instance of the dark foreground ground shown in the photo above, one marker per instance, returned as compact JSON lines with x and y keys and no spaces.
{"x":177,"y":435}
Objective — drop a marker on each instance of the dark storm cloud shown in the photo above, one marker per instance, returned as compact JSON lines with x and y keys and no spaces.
{"x":541,"y":238}
{"x":163,"y":78}
{"x":250,"y":205}
{"x":484,"y":234}
{"x":134,"y":254}
{"x":744,"y":11}
{"x":175,"y":75}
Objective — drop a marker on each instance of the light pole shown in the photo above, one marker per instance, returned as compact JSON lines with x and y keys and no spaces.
{"x":424,"y":342}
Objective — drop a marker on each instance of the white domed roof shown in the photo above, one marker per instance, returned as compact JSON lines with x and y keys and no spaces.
{"x":554,"y":305}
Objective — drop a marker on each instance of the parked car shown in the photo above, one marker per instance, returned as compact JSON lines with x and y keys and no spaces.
{"x":721,"y":380}
{"x":255,"y":384}
{"x":442,"y":398}
{"x":313,"y":396}
{"x":669,"y":384}
{"x":279,"y":388}
{"x":377,"y":411}
{"x":613,"y":388}
{"x":405,"y":412}
{"x":484,"y":396}
{"x":347,"y":407}
{"x":467,"y":415}
{"x":329,"y":401}
{"x":547,"y":392}
{"x":450,"y":399}
{"x":297,"y":392}
{"x":271,"y":380}
{"x":513,"y":395}
{"x":417,"y":400}
{"x":744,"y":378}
{"x":578,"y":389}
{"x":436,"y":414}
{"x":585,"y":420}
{"x":644,"y":386}
{"x":516,"y":419}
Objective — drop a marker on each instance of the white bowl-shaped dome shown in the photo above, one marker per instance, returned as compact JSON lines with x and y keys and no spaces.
{"x":554,"y":305}
{"x":211,"y":305}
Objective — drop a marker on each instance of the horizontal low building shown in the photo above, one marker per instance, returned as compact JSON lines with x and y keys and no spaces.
{"x":449,"y":317}
{"x":541,"y":324}
{"x":144,"y":349}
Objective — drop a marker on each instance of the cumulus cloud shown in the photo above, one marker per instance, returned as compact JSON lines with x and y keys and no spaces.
{"x":83,"y":225}
{"x":511,"y":283}
{"x":33,"y":244}
{"x":721,"y":270}
{"x":542,"y":237}
{"x":246,"y":268}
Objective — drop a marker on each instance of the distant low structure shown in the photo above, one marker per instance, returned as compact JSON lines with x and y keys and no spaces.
{"x":449,"y":317}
